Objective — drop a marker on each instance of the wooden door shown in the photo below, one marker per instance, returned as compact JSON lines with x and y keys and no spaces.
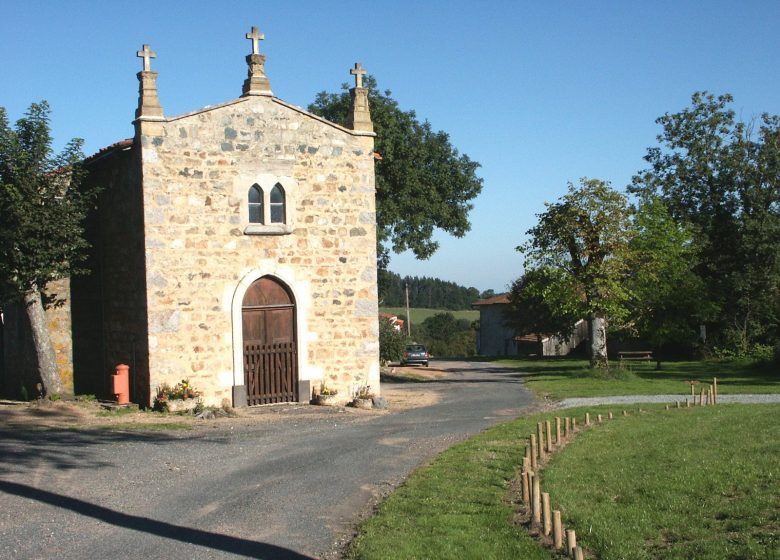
{"x":270,"y":353}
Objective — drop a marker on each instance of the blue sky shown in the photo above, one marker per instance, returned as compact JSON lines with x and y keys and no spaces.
{"x":540,"y":93}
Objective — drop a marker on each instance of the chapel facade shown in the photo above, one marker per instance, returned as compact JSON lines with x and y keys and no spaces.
{"x":234,"y":246}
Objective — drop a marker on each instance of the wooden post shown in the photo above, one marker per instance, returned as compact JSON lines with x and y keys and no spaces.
{"x":677,"y":403}
{"x":546,"y":514}
{"x":715,"y":389}
{"x":567,"y":427}
{"x":611,"y":417}
{"x":573,"y":425}
{"x":667,"y":407}
{"x":687,"y":403}
{"x":536,"y":501}
{"x":693,"y":394}
{"x":527,"y":454}
{"x":600,"y":418}
{"x":557,"y":530}
{"x":625,"y":413}
{"x":578,"y":554}
{"x":571,"y":542}
{"x":540,"y":439}
{"x":532,"y":445}
{"x":701,"y":398}
{"x":526,"y":487}
{"x":557,"y":430}
{"x":587,"y":418}
{"x":548,"y":431}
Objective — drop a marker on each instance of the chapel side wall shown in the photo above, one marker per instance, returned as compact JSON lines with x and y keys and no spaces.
{"x":109,"y":304}
{"x":20,"y":375}
{"x":197,"y":172}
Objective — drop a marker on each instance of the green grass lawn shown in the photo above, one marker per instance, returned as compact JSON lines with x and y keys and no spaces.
{"x":420,"y":314}
{"x":563,"y":378}
{"x":704,"y":483}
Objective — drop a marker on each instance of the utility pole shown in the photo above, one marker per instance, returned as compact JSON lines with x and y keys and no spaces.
{"x":408,"y":315}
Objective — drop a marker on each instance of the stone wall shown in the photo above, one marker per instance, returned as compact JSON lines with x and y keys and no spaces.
{"x":109,"y":304}
{"x":20,"y":366}
{"x":201,"y":252}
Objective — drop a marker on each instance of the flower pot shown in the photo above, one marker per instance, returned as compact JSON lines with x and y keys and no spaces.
{"x":326,"y":400}
{"x":182,"y":405}
{"x":363,"y":403}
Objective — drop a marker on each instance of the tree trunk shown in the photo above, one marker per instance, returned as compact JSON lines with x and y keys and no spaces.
{"x":47,"y":363}
{"x":597,"y":330}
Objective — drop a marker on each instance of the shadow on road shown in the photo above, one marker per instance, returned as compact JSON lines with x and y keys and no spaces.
{"x":65,"y":449}
{"x":214,"y":541}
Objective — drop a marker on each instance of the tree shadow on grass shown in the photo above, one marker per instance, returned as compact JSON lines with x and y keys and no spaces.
{"x":214,"y":541}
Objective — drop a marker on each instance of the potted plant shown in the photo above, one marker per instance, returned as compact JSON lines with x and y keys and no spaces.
{"x":364,"y":398}
{"x":182,"y":397}
{"x":326,"y":396}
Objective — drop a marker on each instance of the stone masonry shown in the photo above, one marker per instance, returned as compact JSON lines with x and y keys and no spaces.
{"x":174,"y":250}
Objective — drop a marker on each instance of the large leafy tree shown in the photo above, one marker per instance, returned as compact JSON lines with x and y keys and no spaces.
{"x":668,"y":299}
{"x":42,"y":208}
{"x":422,"y":182}
{"x":721,"y":177}
{"x":583,"y":239}
{"x":544,"y":301}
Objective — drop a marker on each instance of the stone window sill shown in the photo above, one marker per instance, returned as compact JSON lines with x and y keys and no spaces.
{"x":273,"y":229}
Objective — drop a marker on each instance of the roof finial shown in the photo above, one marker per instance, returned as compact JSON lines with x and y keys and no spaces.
{"x":146,"y":54}
{"x":358,"y":71}
{"x":255,"y":36}
{"x":359,"y":118}
{"x":256,"y":82}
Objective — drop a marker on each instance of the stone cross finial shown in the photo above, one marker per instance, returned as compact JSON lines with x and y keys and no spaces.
{"x":358,"y":71}
{"x":255,"y":36}
{"x":146,"y":54}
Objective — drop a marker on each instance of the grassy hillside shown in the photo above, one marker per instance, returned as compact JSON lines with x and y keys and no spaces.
{"x":420,"y":314}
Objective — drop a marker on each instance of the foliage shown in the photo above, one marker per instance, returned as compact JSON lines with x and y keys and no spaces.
{"x":364,"y":392}
{"x":43,"y":204}
{"x":419,"y":314}
{"x":180,"y":391}
{"x":325,"y":390}
{"x":668,"y":300}
{"x":391,"y":342}
{"x":721,"y":178}
{"x":422,"y":181}
{"x":582,"y":240}
{"x":535,"y":306}
{"x":444,"y":335}
{"x":424,"y":292}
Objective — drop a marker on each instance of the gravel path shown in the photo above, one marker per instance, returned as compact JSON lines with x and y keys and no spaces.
{"x":631,"y":399}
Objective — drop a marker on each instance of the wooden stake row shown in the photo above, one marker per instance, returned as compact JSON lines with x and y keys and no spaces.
{"x":539,"y":446}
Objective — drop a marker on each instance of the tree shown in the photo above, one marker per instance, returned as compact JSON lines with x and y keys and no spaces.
{"x":391,"y":342}
{"x":43,"y":205}
{"x":422,"y":181}
{"x":721,"y":178}
{"x":543,"y":301}
{"x":668,"y":299}
{"x":583,"y":239}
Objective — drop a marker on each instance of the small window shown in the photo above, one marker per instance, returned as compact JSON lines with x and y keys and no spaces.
{"x":277,"y":204}
{"x":256,"y":204}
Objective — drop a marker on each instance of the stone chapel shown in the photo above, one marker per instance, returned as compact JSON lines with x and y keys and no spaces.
{"x":234,"y":246}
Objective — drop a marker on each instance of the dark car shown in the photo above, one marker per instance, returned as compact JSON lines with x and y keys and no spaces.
{"x":415,"y":354}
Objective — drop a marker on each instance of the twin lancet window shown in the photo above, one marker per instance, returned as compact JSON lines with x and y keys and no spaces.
{"x":270,"y":211}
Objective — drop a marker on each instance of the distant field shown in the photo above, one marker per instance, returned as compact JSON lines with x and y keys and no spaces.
{"x":419,"y":314}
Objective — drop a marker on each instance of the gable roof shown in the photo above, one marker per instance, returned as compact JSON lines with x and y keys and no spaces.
{"x":500,"y":299}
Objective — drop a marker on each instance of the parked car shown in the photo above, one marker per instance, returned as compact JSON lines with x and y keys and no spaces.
{"x":415,"y":354}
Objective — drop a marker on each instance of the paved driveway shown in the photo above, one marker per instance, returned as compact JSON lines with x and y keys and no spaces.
{"x":292,"y":488}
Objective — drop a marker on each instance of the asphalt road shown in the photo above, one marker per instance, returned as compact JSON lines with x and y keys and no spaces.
{"x":289,"y":489}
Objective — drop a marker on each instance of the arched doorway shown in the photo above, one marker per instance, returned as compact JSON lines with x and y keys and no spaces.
{"x":270,"y":352}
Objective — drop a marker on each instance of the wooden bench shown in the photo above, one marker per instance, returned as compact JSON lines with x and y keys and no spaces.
{"x":636,"y":355}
